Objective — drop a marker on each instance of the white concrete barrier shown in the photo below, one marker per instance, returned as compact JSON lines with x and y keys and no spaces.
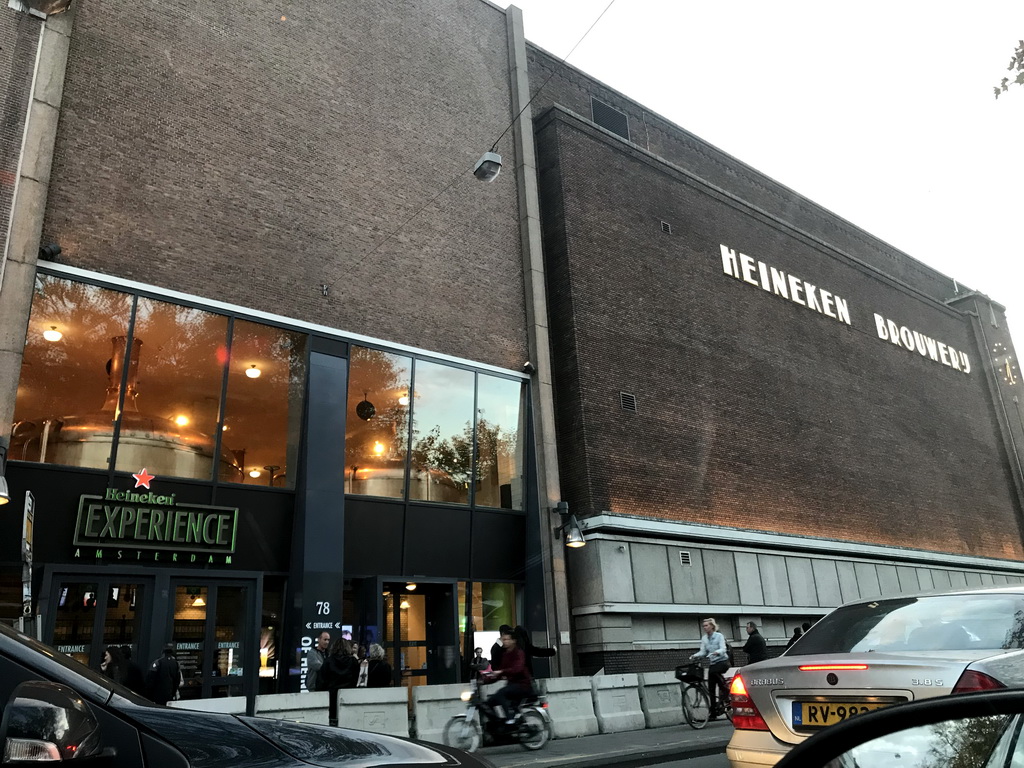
{"x":230,"y":705}
{"x":617,"y":703}
{"x":433,"y":706}
{"x":571,"y":707}
{"x":660,"y":699}
{"x":308,"y":707}
{"x":381,"y":710}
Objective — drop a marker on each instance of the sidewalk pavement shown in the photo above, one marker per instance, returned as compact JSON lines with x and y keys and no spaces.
{"x":645,"y":747}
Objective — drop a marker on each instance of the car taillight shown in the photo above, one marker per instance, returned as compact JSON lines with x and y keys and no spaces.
{"x":975,"y":681}
{"x":745,"y":716}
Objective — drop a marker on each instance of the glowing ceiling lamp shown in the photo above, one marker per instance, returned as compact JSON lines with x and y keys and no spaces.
{"x":52,"y":334}
{"x":254,"y":473}
{"x":181,"y":420}
{"x":253,"y":372}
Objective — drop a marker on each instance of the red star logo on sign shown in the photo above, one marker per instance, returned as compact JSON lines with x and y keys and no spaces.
{"x":142,"y":479}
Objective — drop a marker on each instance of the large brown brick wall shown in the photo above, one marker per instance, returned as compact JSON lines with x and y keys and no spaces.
{"x":754,"y":411}
{"x":572,"y":89}
{"x":19,"y":40}
{"x":250,"y":152}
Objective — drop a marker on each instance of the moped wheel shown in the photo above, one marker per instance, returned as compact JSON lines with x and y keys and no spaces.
{"x":534,"y":730}
{"x":462,"y":733}
{"x":696,"y":707}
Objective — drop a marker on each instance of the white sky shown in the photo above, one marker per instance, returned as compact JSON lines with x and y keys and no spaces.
{"x":882,"y":112}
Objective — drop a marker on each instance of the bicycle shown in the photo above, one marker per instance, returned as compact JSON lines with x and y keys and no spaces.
{"x":481,"y":725}
{"x":697,"y":698}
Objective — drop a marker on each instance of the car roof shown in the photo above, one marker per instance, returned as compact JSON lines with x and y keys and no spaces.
{"x":1013,"y":589}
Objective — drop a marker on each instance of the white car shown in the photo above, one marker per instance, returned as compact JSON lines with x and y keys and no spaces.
{"x":872,"y":654}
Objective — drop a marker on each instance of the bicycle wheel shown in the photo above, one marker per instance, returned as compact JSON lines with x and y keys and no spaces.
{"x":534,"y":730}
{"x":696,"y":706}
{"x":462,"y":733}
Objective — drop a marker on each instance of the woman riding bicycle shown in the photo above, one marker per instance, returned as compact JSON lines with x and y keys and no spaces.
{"x":714,"y":649}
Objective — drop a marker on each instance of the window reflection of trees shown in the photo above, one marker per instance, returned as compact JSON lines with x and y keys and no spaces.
{"x":376,"y":445}
{"x":442,"y":462}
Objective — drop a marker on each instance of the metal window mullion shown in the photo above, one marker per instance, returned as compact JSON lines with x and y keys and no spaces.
{"x":221,"y":412}
{"x":129,"y":340}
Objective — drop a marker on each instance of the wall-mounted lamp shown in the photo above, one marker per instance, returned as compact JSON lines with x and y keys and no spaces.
{"x":5,"y":494}
{"x":488,"y":166}
{"x":570,"y":526}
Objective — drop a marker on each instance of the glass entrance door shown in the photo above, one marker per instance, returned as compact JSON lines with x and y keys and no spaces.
{"x":214,"y":637}
{"x":420,"y":632}
{"x":93,"y":613}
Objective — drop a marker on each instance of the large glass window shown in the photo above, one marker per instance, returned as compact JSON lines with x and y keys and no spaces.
{"x":263,"y":412}
{"x":490,"y":605}
{"x":442,"y":434}
{"x":171,"y":403}
{"x":452,"y":454}
{"x":81,"y":381}
{"x":377,"y":423}
{"x":67,"y":395}
{"x":499,"y":435}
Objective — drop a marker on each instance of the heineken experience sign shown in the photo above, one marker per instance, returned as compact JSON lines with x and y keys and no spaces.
{"x":137,"y":525}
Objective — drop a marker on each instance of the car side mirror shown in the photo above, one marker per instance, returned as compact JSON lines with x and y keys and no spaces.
{"x":48,"y":722}
{"x":971,"y":729}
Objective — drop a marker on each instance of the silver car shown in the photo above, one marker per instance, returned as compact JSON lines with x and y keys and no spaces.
{"x":872,"y":654}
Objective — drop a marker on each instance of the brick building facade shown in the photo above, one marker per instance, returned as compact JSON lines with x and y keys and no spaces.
{"x":756,"y":409}
{"x":771,"y":411}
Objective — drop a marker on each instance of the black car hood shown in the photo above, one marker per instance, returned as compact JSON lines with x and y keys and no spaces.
{"x":211,"y":740}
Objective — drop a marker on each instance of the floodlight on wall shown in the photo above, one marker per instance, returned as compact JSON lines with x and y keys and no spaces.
{"x":570,"y":526}
{"x":488,"y":166}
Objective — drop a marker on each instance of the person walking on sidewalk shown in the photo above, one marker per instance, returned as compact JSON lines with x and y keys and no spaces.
{"x":315,"y":658}
{"x":714,"y":649}
{"x":756,"y":646}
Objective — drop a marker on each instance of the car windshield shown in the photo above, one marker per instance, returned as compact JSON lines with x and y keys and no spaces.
{"x":931,"y":623}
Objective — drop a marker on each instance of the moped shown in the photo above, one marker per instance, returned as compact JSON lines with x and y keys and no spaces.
{"x":481,"y":725}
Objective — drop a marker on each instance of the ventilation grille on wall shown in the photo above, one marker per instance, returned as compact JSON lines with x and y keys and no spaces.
{"x":609,"y":118}
{"x":684,"y":557}
{"x":628,"y":401}
{"x":666,"y":228}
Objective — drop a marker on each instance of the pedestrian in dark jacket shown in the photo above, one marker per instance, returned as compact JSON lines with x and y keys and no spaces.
{"x":113,"y":665}
{"x":164,"y":677}
{"x":797,"y":633}
{"x":379,"y":675}
{"x":756,"y":647}
{"x":498,"y":650}
{"x":340,"y":669}
{"x":135,"y":680}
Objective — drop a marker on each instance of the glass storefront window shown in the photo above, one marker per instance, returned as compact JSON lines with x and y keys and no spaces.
{"x":491,"y":605}
{"x":499,"y":432}
{"x":76,"y":615}
{"x":168,"y":419}
{"x":171,"y":403}
{"x":377,"y":423}
{"x":263,"y":412}
{"x":67,"y":394}
{"x":442,"y":440}
{"x":189,"y":637}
